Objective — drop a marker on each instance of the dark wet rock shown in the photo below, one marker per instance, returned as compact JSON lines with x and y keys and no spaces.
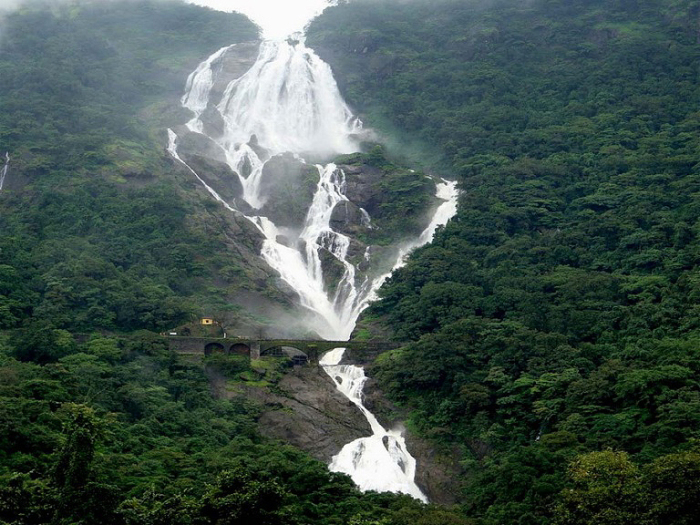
{"x":218,"y":175}
{"x":256,"y":147}
{"x":332,"y":268}
{"x":347,"y":218}
{"x":362,"y":185}
{"x":356,"y":251}
{"x":213,"y":122}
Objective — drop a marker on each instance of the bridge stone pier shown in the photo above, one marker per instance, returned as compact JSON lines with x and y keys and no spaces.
{"x":300,"y":351}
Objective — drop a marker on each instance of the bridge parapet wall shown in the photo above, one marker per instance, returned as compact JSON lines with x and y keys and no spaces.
{"x":368,"y":352}
{"x":188,"y":345}
{"x":358,"y":352}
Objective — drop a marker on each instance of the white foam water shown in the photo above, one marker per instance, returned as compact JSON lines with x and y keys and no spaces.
{"x":381,"y":461}
{"x":287,"y":102}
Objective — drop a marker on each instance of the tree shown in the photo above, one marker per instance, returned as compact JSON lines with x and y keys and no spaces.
{"x":673,"y":484}
{"x":240,"y":498}
{"x":608,"y":490}
{"x":80,"y":495}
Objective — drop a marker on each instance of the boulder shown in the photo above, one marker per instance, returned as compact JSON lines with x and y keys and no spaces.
{"x":347,"y":218}
{"x":290,"y":185}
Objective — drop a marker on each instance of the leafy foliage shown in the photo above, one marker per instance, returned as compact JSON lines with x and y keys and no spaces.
{"x":120,"y":431}
{"x":399,"y":200}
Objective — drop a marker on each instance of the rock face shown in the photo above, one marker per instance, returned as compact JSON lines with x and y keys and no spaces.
{"x":191,"y":144}
{"x":308,"y":412}
{"x":362,"y":185}
{"x":347,"y":218}
{"x":290,"y":185}
{"x":218,"y":176}
{"x":435,"y":470}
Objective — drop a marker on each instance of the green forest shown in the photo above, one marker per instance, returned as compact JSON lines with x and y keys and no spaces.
{"x":98,"y":229}
{"x":554,"y":320}
{"x":551,"y":329}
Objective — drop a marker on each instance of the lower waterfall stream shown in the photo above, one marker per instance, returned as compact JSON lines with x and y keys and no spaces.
{"x":288,"y":101}
{"x":381,"y":461}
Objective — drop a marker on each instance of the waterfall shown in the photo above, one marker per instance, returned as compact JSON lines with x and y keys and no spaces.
{"x":198,"y":89}
{"x":381,"y":461}
{"x":288,"y":102}
{"x":307,"y":277}
{"x":3,"y":171}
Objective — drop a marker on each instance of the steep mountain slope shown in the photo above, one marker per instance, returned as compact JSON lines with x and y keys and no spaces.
{"x":556,"y":315}
{"x":100,"y":228}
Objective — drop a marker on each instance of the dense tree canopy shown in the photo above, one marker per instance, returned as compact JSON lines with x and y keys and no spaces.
{"x":98,"y":230}
{"x":556,"y":314}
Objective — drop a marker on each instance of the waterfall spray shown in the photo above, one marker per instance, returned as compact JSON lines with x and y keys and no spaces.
{"x":288,"y":101}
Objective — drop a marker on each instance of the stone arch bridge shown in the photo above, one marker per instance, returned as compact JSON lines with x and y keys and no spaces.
{"x":300,"y":351}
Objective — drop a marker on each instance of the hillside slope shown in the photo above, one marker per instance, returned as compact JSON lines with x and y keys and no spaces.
{"x":101,"y":229}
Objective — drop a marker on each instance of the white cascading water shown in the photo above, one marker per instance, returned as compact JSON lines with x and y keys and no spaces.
{"x":289,"y":102}
{"x":380,"y":460}
{"x":302,"y":269}
{"x":3,"y":171}
{"x":198,"y":89}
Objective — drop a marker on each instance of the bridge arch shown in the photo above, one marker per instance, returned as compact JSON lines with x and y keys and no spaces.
{"x":213,"y":348}
{"x":305,"y":350}
{"x":239,"y":349}
{"x":273,"y":351}
{"x":295,"y":355}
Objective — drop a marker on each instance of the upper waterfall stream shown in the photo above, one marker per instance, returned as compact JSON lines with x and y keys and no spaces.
{"x":288,"y":102}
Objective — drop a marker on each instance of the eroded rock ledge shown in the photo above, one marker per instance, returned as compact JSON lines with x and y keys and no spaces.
{"x":305,"y":410}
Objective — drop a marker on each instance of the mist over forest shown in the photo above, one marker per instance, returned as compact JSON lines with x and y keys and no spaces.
{"x":541,"y":353}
